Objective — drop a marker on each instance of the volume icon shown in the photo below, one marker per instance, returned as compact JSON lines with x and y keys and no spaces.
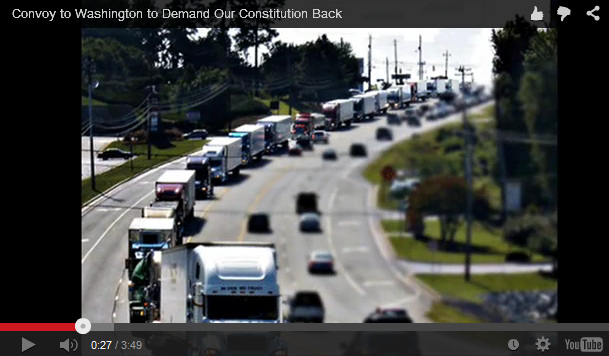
{"x":69,"y":345}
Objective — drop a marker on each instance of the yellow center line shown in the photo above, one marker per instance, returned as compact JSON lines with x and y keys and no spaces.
{"x":259,"y":197}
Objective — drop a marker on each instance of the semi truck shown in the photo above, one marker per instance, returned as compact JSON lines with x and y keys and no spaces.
{"x":204,"y":186}
{"x":306,"y":123}
{"x":382,"y":105}
{"x":339,"y":112}
{"x":224,"y":154}
{"x":216,"y":282}
{"x":277,"y":131}
{"x":365,"y":105}
{"x":421,"y":90}
{"x":395,"y":97}
{"x":252,"y":142}
{"x":177,"y":185}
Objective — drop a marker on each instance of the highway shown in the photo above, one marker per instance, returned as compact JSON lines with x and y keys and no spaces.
{"x":367,"y":276}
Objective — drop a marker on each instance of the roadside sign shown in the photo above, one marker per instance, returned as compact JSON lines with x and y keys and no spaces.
{"x":388,"y":173}
{"x":513,"y":196}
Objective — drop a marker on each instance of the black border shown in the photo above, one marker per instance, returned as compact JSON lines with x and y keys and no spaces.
{"x":41,"y":255}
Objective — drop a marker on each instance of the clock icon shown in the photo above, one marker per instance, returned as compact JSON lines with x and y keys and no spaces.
{"x":513,"y":344}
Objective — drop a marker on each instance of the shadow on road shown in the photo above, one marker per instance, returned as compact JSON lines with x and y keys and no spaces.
{"x":234,"y":180}
{"x":194,"y":226}
{"x":258,"y":163}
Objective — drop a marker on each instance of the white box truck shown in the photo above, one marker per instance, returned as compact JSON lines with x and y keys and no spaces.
{"x":177,"y":185}
{"x":440,"y":86}
{"x":252,"y":142}
{"x":421,"y":90}
{"x":339,"y":112}
{"x":365,"y":107}
{"x":220,"y":282}
{"x":382,"y":105}
{"x":277,"y":131}
{"x":224,"y":155}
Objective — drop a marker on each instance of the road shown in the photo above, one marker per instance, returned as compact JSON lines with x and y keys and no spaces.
{"x":100,"y":165}
{"x":366,"y":276}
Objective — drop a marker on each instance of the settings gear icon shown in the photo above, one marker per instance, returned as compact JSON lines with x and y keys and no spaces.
{"x":543,"y":344}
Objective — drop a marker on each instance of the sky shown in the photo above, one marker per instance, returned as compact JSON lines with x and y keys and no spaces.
{"x":471,"y":48}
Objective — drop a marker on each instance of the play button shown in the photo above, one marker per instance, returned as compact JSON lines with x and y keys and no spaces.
{"x":26,"y":344}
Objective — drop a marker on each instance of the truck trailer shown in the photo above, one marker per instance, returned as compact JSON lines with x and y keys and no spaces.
{"x":224,"y":154}
{"x":382,"y":105}
{"x":365,"y":105}
{"x":277,"y":131}
{"x":339,"y":112}
{"x":218,"y":282}
{"x":177,"y":185}
{"x":204,"y":186}
{"x":421,"y":90}
{"x":252,"y":142}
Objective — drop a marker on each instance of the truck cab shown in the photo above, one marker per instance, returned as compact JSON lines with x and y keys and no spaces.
{"x":245,"y":146}
{"x":203,"y":183}
{"x":150,"y":234}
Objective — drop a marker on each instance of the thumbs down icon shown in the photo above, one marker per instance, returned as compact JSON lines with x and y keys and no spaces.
{"x":563,"y":12}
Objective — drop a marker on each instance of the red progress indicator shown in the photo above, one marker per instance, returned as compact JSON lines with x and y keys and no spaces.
{"x":37,"y":327}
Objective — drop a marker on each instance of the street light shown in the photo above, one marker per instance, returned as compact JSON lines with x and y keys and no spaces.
{"x":90,"y":68}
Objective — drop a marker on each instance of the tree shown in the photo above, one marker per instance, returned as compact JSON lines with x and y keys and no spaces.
{"x":539,"y":97}
{"x":445,"y":197}
{"x":510,"y":45}
{"x":280,"y":68}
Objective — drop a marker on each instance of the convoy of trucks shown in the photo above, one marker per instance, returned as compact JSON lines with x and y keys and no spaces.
{"x":224,"y":154}
{"x":277,"y":131}
{"x":213,"y":282}
{"x":252,"y":142}
{"x":364,"y":106}
{"x":339,"y":112}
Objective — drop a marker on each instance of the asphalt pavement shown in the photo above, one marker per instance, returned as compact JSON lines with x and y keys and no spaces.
{"x":100,"y":166}
{"x":367,"y":276}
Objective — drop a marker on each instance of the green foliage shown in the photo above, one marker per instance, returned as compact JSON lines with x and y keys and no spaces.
{"x":535,"y":232}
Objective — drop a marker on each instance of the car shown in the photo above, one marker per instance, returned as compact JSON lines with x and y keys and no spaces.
{"x":413,"y":121}
{"x":306,"y":203}
{"x":259,"y":223}
{"x":358,"y":150}
{"x":306,"y":307}
{"x":329,"y":155}
{"x":393,"y":119}
{"x":295,"y":150}
{"x":321,"y":136}
{"x":309,"y":222}
{"x":389,"y":315}
{"x":384,"y":133}
{"x":424,"y":108}
{"x":196,"y":135}
{"x":114,"y":153}
{"x":320,"y":261}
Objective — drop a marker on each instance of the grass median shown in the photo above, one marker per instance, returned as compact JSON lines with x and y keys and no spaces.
{"x":463,"y":300}
{"x":488,"y":246}
{"x":139,"y":164}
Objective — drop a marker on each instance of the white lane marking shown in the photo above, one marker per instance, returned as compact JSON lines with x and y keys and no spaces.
{"x":111,"y":225}
{"x":378,"y":283}
{"x":333,"y":250}
{"x":348,"y":223}
{"x":355,"y":249}
{"x":144,"y":182}
{"x":107,"y":209}
{"x":398,"y":303}
{"x":85,"y":240}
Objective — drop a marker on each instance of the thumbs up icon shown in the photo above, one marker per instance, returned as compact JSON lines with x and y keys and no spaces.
{"x":536,"y":15}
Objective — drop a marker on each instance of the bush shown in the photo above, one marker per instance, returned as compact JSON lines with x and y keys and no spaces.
{"x":174,"y":134}
{"x":536,"y":232}
{"x":415,"y":223}
{"x":517,"y":257}
{"x":443,"y":134}
{"x":452,"y":144}
{"x":139,"y":136}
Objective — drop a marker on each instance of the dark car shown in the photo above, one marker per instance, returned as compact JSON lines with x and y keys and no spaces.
{"x":395,"y":315}
{"x":321,"y":262}
{"x":358,"y":150}
{"x":306,"y":307}
{"x":114,"y":153}
{"x":259,"y":223}
{"x":306,"y":202}
{"x":393,"y":119}
{"x":383,"y":133}
{"x":196,"y":135}
{"x":329,"y":155}
{"x":309,"y":222}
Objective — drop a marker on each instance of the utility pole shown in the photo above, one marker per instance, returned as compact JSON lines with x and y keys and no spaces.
{"x":153,"y":117}
{"x":395,"y":54}
{"x":421,"y":63}
{"x":467,"y":132}
{"x":90,"y":67}
{"x":369,"y":62}
{"x":446,"y":63}
{"x":387,"y":66}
